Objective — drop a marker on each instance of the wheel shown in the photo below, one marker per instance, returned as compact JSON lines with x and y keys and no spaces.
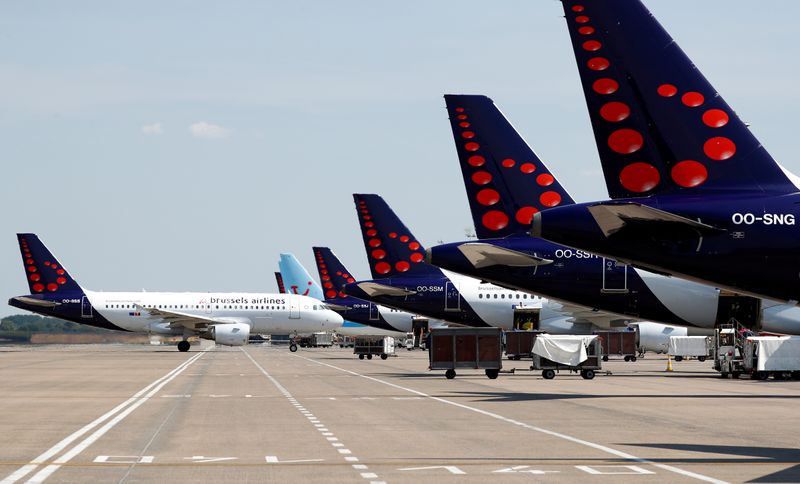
{"x":450,"y":374}
{"x":517,"y":357}
{"x":369,"y":357}
{"x":627,"y":358}
{"x":587,"y":374}
{"x":761,"y":375}
{"x":678,"y":358}
{"x":548,"y":374}
{"x":633,"y":358}
{"x":360,"y":357}
{"x":701,"y":359}
{"x":796,"y":375}
{"x":492,"y":374}
{"x":724,"y":375}
{"x":735,"y":375}
{"x":183,"y":346}
{"x":384,"y":356}
{"x":292,"y":347}
{"x":605,"y":358}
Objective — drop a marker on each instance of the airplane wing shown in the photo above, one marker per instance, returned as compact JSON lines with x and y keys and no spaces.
{"x":485,"y":255}
{"x":192,"y":322}
{"x":602,"y":319}
{"x":612,"y":218}
{"x":375,"y":289}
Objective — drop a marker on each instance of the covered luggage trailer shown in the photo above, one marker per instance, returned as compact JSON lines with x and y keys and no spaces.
{"x":685,"y":347}
{"x":475,"y":348}
{"x":369,"y":346}
{"x":576,"y":354}
{"x":776,"y":356}
{"x":621,"y":344}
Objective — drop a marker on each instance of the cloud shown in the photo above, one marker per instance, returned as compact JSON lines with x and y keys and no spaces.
{"x":152,"y":129}
{"x":208,"y":131}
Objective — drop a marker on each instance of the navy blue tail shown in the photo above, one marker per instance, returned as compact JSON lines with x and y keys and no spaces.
{"x":506,"y":182}
{"x":45,"y":275}
{"x":660,"y":126}
{"x":391,"y":248}
{"x":279,"y":280}
{"x":333,"y":274}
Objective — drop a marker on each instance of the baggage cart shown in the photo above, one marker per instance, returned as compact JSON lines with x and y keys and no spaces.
{"x":618,"y":344}
{"x":576,"y":354}
{"x":476,"y":348}
{"x":519,"y":344}
{"x":369,"y":346}
{"x":684,"y":347}
{"x":321,"y":340}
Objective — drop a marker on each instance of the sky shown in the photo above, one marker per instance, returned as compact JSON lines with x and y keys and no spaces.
{"x":181,"y":146}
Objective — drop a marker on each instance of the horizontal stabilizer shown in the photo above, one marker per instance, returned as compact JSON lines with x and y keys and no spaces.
{"x":614,"y":217}
{"x":36,"y":302}
{"x":374,"y":289}
{"x":485,"y":255}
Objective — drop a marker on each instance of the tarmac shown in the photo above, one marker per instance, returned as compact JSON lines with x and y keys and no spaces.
{"x":138,"y":413}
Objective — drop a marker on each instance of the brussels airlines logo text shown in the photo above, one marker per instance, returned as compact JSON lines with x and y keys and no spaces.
{"x":244,"y":300}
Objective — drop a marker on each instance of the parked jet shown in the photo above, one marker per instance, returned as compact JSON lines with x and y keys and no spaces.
{"x":506,"y":183}
{"x":693,"y":192}
{"x":226,"y":318}
{"x":299,"y":280}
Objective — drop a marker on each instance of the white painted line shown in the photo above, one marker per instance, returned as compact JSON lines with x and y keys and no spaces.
{"x":344,"y":451}
{"x":360,"y":467}
{"x":124,"y":459}
{"x":601,"y":448}
{"x":337,"y":444}
{"x":450,"y":469}
{"x":48,"y":454}
{"x":326,"y":433}
{"x":332,"y":439}
{"x":351,"y":459}
{"x":369,"y":475}
{"x":622,"y":470}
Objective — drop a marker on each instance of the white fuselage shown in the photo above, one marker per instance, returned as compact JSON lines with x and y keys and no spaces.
{"x":264,"y":313}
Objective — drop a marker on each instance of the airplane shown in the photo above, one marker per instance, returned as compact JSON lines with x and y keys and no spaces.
{"x":300,"y":281}
{"x":226,"y":318}
{"x":506,"y":181}
{"x":693,"y":193}
{"x":402,"y":280}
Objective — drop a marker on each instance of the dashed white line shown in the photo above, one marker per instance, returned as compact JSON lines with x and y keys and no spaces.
{"x":329,"y":436}
{"x":602,"y":448}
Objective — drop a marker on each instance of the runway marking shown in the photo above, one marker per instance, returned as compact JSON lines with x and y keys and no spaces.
{"x":347,"y":453}
{"x":450,"y":469}
{"x":630,"y":470}
{"x":602,"y":448}
{"x":273,"y":459}
{"x":123,"y":409}
{"x":124,"y":459}
{"x":201,"y":459}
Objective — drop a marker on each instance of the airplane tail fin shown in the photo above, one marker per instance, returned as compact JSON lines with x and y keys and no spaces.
{"x":44,"y":273}
{"x":296,"y":278}
{"x":659,"y":125}
{"x":391,"y":248}
{"x":333,"y":274}
{"x":279,"y":280}
{"x":506,"y":182}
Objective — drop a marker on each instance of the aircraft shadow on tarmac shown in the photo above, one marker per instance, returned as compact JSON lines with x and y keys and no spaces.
{"x":526,"y":397}
{"x":757,"y":455}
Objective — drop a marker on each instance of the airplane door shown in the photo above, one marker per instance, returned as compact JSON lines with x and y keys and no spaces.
{"x":373,"y":312}
{"x":86,"y":307}
{"x":294,"y":309}
{"x":615,"y":276}
{"x":452,"y":299}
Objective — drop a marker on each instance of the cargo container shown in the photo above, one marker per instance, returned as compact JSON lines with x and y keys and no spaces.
{"x":519,"y":344}
{"x":475,"y":348}
{"x":776,"y":356}
{"x":681,"y":347}
{"x":369,"y":346}
{"x":621,"y":344}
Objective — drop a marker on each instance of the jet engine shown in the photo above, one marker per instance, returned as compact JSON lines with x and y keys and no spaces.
{"x":233,"y":334}
{"x":655,"y":336}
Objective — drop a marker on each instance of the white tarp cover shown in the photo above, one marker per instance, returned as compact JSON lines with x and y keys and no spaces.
{"x":778,"y":353}
{"x":688,"y":346}
{"x":564,"y":349}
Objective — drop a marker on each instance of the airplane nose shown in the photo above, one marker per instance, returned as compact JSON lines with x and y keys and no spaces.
{"x":336,"y":318}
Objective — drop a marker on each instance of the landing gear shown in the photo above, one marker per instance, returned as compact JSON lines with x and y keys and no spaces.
{"x":183,"y":346}
{"x":292,"y":347}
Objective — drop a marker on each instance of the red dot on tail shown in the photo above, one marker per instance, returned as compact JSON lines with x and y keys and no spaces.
{"x":545,"y":179}
{"x":326,"y":278}
{"x":598,"y":63}
{"x":692,"y":99}
{"x":327,"y":285}
{"x":54,"y":266}
{"x":508,"y":163}
{"x":667,"y":90}
{"x":330,"y":294}
{"x":550,"y":199}
{"x":605,"y":85}
{"x":494,"y":220}
{"x":592,"y":45}
{"x":392,"y":235}
{"x":416,"y":257}
{"x":472,"y":146}
{"x":462,"y":116}
{"x":488,"y":196}
{"x":402,"y":266}
{"x":586,"y":30}
{"x":577,"y":8}
{"x":47,"y":262}
{"x":350,"y":279}
{"x":719,"y":148}
{"x":369,"y":224}
{"x":625,"y":141}
{"x":38,"y":287}
{"x":527,"y":168}
{"x":715,"y":118}
{"x":689,"y":173}
{"x":52,"y":287}
{"x":35,"y":277}
{"x":639,"y":177}
{"x":525,"y":215}
{"x":404,"y":238}
{"x":581,"y":19}
{"x":31,"y":268}
{"x":374,"y":242}
{"x":459,"y":110}
{"x":464,"y":124}
{"x":372,"y":232}
{"x":61,"y":280}
{"x":476,"y":160}
{"x":29,"y":262}
{"x":481,"y":177}
{"x":378,"y":253}
{"x":413,"y":245}
{"x":382,"y":268}
{"x":468,"y":134}
{"x":615,"y":111}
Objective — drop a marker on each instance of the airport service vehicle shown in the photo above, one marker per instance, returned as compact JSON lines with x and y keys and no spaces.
{"x":686,"y":347}
{"x":729,"y":350}
{"x":573,"y":353}
{"x":776,"y":356}
{"x":622,"y":344}
{"x":226,"y":318}
{"x":506,"y":183}
{"x":368,"y":346}
{"x":473,"y":348}
{"x":299,"y":281}
{"x":693,"y":193}
{"x":316,"y":340}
